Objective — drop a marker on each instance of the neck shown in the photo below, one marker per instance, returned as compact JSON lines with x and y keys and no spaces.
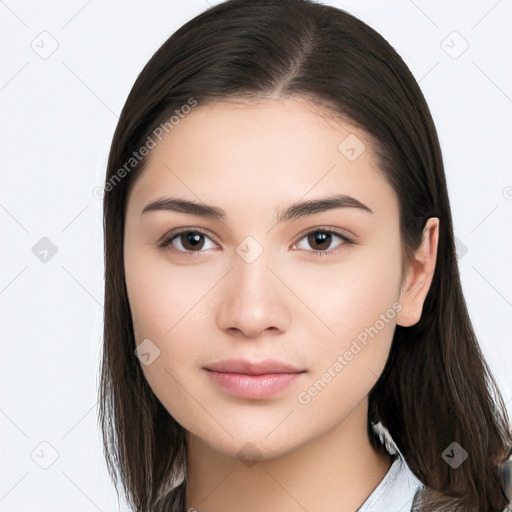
{"x":334,"y":472}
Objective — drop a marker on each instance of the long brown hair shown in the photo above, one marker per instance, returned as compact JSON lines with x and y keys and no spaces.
{"x":436,"y":388}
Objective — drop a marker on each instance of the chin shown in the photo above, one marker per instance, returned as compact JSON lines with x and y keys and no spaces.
{"x":252,"y":446}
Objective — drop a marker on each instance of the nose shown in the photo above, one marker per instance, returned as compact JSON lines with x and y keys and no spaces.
{"x":253,"y":300}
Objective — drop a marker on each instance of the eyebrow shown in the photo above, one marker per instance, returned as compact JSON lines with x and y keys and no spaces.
{"x":293,"y":211}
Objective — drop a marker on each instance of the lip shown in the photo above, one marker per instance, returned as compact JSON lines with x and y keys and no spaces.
{"x":247,"y":367}
{"x":248,"y":379}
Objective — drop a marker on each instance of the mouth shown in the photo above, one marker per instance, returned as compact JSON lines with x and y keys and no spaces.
{"x":246,"y":379}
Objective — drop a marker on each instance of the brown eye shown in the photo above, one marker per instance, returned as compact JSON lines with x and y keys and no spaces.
{"x":186,"y":241}
{"x":191,"y":240}
{"x":321,"y":241}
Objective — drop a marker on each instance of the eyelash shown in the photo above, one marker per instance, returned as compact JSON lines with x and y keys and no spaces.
{"x":170,"y":237}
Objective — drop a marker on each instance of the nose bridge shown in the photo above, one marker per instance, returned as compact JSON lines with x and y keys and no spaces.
{"x":252,"y":275}
{"x":254,"y":300}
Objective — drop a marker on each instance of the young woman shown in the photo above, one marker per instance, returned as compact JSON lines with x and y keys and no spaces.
{"x":284,"y":322}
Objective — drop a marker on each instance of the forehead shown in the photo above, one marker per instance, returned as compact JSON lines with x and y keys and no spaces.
{"x":256,"y":154}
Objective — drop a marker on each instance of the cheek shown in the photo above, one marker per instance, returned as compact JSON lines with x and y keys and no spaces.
{"x":161,"y":295}
{"x":358,"y":304}
{"x":167,"y":305}
{"x":350,"y":296}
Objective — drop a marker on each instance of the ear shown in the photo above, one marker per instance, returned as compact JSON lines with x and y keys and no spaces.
{"x":418,"y":276}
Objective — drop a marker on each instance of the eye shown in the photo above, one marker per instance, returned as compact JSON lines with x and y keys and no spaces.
{"x":186,"y":241}
{"x":321,"y":239}
{"x":190,"y":241}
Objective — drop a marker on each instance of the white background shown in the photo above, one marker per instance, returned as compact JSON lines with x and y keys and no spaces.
{"x":58,"y":115}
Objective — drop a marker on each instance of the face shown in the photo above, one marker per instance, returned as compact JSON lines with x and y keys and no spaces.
{"x":262,"y":323}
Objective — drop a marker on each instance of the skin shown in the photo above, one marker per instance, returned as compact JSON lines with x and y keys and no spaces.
{"x":288,"y":304}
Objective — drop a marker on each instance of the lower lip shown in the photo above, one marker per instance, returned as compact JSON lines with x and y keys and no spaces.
{"x":253,"y":386}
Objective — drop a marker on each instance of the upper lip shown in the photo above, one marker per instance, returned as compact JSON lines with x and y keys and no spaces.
{"x":247,"y":367}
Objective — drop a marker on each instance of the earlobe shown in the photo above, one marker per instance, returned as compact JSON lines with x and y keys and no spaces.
{"x":418,"y":275}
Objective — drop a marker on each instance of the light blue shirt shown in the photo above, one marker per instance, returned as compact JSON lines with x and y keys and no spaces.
{"x":395,"y":492}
